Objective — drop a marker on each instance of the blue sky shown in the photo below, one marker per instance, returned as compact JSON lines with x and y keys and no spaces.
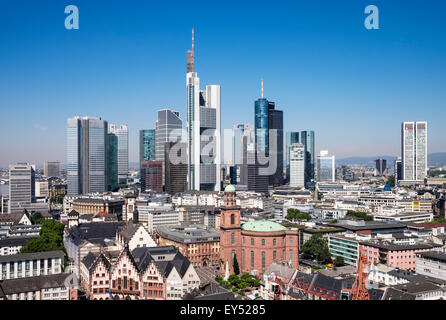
{"x":320,"y":65}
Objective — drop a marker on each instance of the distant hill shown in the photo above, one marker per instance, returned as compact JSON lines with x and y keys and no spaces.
{"x":437,"y":159}
{"x":434,"y":159}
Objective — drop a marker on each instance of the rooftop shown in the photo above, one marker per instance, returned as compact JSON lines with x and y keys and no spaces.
{"x":190,"y":233}
{"x":263,"y":226}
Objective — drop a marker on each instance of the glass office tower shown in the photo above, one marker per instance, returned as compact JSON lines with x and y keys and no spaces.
{"x":307,"y":139}
{"x":112,"y":154}
{"x":146,"y":145}
{"x":122,"y":132}
{"x":414,"y":150}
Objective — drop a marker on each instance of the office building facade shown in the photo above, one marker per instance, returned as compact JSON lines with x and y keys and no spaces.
{"x":307,"y":139}
{"x":122,"y":132}
{"x":175,"y":170}
{"x":86,"y":155}
{"x":380,"y":167}
{"x":297,"y":165}
{"x":326,"y":171}
{"x":291,"y":137}
{"x":112,"y":168}
{"x":147,"y":145}
{"x":51,"y":169}
{"x":21,"y":187}
{"x":151,"y":176}
{"x":414,"y":150}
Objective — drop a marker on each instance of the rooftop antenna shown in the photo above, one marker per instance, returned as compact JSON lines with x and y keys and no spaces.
{"x":190,"y":56}
{"x":262,"y":88}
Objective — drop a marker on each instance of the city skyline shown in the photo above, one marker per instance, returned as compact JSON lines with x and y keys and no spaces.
{"x":392,"y":82}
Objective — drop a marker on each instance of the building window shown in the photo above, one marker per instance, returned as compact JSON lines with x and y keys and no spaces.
{"x":274,"y":255}
{"x":252,"y":259}
{"x":252,"y":241}
{"x":263,"y":260}
{"x":232,"y":218}
{"x":263,"y":242}
{"x":291,"y":257}
{"x":274,"y":241}
{"x":291,"y":240}
{"x":233,"y":238}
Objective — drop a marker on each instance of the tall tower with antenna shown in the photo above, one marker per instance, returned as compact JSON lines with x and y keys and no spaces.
{"x":203,"y":130}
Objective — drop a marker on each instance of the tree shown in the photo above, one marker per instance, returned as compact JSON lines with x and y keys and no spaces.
{"x":358,"y":214}
{"x":36,"y":217}
{"x":391,"y":181}
{"x":50,"y":239}
{"x":339,"y":261}
{"x":296,"y":214}
{"x":317,"y":247}
{"x":235,"y":265}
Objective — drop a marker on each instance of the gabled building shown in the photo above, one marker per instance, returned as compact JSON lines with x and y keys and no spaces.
{"x":135,"y":236}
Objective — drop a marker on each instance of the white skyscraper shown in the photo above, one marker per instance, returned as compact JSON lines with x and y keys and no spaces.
{"x":297,"y":165}
{"x":21,"y":187}
{"x":123,"y":150}
{"x":203,"y":131}
{"x":414,"y":150}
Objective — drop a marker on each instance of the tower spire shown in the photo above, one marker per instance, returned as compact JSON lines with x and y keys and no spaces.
{"x":190,"y":56}
{"x":262,"y":88}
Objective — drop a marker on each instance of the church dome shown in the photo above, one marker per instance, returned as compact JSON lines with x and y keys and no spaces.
{"x":230,"y":188}
{"x":263,"y":226}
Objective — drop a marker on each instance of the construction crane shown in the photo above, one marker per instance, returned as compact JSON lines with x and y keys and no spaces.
{"x":359,"y":290}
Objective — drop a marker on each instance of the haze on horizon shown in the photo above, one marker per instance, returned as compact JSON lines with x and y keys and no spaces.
{"x":352,"y":86}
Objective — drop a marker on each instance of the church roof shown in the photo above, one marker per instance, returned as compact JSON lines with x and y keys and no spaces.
{"x":263,"y":226}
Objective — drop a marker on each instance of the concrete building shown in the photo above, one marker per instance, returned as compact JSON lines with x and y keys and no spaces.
{"x":25,"y":265}
{"x":51,"y":169}
{"x":431,"y":264}
{"x":297,"y":165}
{"x":197,"y":242}
{"x":151,"y":176}
{"x":21,"y":187}
{"x":175,"y":170}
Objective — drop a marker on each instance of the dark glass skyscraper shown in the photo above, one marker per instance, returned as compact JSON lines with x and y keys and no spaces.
{"x":112,"y":154}
{"x":266,"y":119}
{"x":307,"y":139}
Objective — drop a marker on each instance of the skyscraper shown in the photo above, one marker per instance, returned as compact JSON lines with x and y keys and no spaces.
{"x":266,"y":165}
{"x":380,"y":167}
{"x":398,"y":169}
{"x":326,"y":171}
{"x":21,"y":187}
{"x":175,"y":170}
{"x":151,"y":176}
{"x":203,"y":131}
{"x":414,"y":150}
{"x":112,"y":162}
{"x":168,"y":128}
{"x":243,"y":134}
{"x":291,"y":137}
{"x":146,"y":145}
{"x":307,"y":139}
{"x":297,"y":165}
{"x":51,"y":169}
{"x":86,"y":155}
{"x":123,"y":151}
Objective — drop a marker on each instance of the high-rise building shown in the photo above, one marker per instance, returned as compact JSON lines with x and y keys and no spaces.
{"x":151,"y":176}
{"x":51,"y":169}
{"x":203,"y":131}
{"x":86,"y":155}
{"x":398,"y":169}
{"x":291,"y":137}
{"x":414,"y":150}
{"x":380,"y":167}
{"x":175,"y":170}
{"x":266,"y":165}
{"x":168,"y":128}
{"x":146,"y":145}
{"x":275,"y":123}
{"x":243,"y":134}
{"x":122,"y":132}
{"x":21,"y":187}
{"x":307,"y":139}
{"x":326,"y":171}
{"x":112,"y":166}
{"x":297,"y":165}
